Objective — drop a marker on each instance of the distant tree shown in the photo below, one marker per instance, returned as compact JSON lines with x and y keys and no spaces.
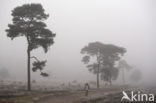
{"x":110,"y":55}
{"x":34,"y":81}
{"x":101,"y":58}
{"x":136,"y":75}
{"x":4,"y":73}
{"x":28,"y":22}
{"x":123,"y":65}
{"x":109,"y":74}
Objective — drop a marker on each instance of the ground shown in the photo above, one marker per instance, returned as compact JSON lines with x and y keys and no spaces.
{"x":105,"y":95}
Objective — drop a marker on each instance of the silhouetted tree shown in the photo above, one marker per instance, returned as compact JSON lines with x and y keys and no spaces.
{"x":123,"y":65}
{"x":103,"y":60}
{"x":93,"y":51}
{"x":28,"y":22}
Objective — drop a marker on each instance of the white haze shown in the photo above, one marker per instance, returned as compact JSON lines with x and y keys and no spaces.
{"x":126,"y":23}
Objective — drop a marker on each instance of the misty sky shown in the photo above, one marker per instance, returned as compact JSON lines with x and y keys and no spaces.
{"x":126,"y":23}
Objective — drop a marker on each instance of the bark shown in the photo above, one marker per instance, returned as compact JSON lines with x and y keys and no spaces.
{"x":29,"y":72}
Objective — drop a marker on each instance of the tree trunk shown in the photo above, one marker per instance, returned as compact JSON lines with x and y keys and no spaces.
{"x":29,"y":74}
{"x":123,"y":76}
{"x":98,"y":72}
{"x":98,"y":85}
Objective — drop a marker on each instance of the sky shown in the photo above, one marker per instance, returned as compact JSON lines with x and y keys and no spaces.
{"x":127,"y":23}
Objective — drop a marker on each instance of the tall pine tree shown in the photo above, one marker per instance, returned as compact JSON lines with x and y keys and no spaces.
{"x":28,"y":21}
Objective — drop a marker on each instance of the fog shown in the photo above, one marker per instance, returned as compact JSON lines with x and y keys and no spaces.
{"x":127,"y":23}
